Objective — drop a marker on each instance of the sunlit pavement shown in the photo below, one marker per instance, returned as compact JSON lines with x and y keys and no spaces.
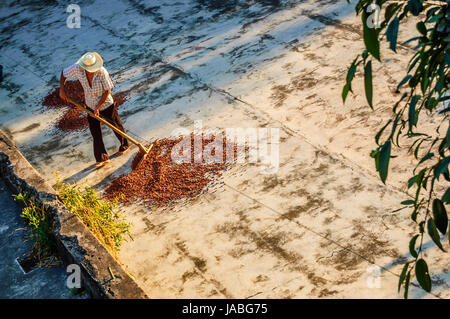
{"x":320,"y":227}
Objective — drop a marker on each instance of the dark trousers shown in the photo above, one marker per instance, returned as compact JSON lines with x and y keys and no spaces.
{"x":95,"y":126}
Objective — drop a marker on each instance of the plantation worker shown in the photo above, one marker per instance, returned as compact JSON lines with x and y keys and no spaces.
{"x":97,"y":87}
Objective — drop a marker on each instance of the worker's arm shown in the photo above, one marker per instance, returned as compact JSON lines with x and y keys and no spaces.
{"x":70,"y":72}
{"x":102,"y":100}
{"x":62,"y":92}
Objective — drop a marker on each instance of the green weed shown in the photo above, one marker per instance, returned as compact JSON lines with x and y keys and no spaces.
{"x":40,"y":226}
{"x":102,"y":217}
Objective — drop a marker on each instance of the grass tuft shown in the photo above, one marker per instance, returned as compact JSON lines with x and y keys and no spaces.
{"x":101,"y":216}
{"x":40,"y":226}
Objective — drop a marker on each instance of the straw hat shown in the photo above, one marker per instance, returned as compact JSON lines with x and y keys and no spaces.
{"x":91,"y":61}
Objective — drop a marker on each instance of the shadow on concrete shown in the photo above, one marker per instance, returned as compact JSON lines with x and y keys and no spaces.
{"x":438,"y":279}
{"x":124,"y":168}
{"x":85,"y":172}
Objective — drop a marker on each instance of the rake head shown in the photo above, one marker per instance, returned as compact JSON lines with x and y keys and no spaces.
{"x":141,"y":156}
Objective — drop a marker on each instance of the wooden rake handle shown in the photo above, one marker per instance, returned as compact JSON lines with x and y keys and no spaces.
{"x":115,"y":129}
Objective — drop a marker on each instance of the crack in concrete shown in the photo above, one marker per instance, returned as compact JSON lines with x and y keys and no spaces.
{"x":331,"y":255}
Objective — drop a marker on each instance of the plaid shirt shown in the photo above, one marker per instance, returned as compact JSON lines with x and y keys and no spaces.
{"x":101,"y":82}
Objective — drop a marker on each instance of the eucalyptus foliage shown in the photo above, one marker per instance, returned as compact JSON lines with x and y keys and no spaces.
{"x":424,"y":88}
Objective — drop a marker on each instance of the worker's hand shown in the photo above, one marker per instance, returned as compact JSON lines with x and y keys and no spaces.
{"x":62,"y":95}
{"x":97,"y":111}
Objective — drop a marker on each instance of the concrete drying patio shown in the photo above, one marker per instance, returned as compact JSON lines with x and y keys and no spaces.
{"x":320,"y":227}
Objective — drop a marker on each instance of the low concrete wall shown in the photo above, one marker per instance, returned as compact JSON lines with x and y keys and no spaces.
{"x":76,"y":244}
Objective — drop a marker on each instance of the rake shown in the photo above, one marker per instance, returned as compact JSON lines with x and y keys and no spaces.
{"x":143,"y":151}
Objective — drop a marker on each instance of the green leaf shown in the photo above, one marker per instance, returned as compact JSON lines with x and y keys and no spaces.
{"x":425,"y":81}
{"x":368,"y":82}
{"x":415,"y":6}
{"x":442,"y":147}
{"x":412,"y":181}
{"x":414,"y":214}
{"x":408,"y":202}
{"x":345,"y":90}
{"x":377,"y":137}
{"x":414,"y":80}
{"x":391,"y":34}
{"x":394,"y":125}
{"x":383,"y":161}
{"x":446,"y":197}
{"x":447,"y":175}
{"x":351,"y":72}
{"x":423,"y":277}
{"x":408,"y":278}
{"x":370,"y":38}
{"x":447,"y":58}
{"x":447,"y":137}
{"x":412,"y":246}
{"x":417,"y":179}
{"x":440,"y":215}
{"x":431,"y":12}
{"x":425,"y":181}
{"x":435,"y":18}
{"x":441,"y":167}
{"x":420,"y":176}
{"x":365,"y":54}
{"x":402,"y":276}
{"x":412,"y":111}
{"x":350,"y":75}
{"x":422,"y":28}
{"x":390,"y":10}
{"x":432,"y":231}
